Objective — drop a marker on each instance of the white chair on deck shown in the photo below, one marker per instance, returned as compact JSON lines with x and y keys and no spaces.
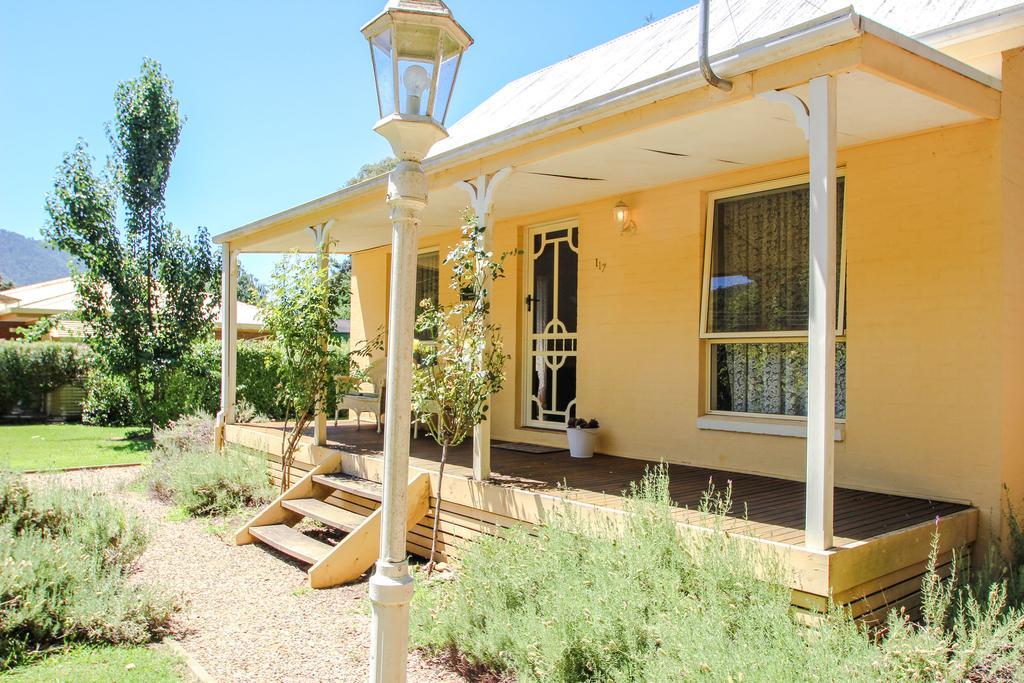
{"x":370,"y":402}
{"x":363,"y":401}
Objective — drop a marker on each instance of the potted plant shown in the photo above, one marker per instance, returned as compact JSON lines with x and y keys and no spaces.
{"x":582,"y":437}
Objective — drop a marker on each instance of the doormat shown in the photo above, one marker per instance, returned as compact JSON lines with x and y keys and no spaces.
{"x":522,"y":447}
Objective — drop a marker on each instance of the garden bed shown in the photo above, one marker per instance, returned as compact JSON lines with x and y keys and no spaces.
{"x":248,"y":613}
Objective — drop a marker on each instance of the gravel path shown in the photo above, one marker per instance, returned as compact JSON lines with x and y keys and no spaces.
{"x":249,"y":615}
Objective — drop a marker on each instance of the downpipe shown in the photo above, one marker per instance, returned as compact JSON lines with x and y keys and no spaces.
{"x":702,"y":51}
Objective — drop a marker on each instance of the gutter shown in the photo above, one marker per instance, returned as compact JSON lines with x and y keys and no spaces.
{"x":830,"y":29}
{"x":822,"y":32}
{"x":975,"y":27}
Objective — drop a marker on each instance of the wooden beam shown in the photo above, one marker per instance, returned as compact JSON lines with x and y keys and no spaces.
{"x":821,"y":314}
{"x":228,"y":335}
{"x":481,"y":197}
{"x":891,"y":552}
{"x":895,"y":64}
{"x":321,"y":237}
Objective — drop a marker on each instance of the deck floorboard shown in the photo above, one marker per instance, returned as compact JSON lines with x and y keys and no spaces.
{"x":766,"y":507}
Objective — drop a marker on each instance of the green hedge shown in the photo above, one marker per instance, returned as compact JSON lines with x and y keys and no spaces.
{"x":28,"y":371}
{"x":195,"y":386}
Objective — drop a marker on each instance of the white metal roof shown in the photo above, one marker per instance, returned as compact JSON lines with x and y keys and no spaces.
{"x":671,"y":43}
{"x":649,"y":65}
{"x":56,"y":297}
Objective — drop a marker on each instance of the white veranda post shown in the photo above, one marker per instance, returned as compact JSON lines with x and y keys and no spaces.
{"x":481,"y":197}
{"x":321,"y":240}
{"x":229,"y":339}
{"x":817,"y":118}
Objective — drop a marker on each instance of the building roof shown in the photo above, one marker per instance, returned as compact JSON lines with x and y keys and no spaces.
{"x":573,"y":105}
{"x":671,"y":43}
{"x":57,"y":297}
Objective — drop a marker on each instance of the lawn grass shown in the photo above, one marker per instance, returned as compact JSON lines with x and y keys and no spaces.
{"x":59,"y":446}
{"x":139,"y":664}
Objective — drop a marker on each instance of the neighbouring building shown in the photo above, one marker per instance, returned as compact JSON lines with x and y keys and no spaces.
{"x":22,"y":306}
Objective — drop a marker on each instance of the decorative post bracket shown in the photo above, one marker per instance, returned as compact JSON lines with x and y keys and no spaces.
{"x":321,"y":237}
{"x":801,"y":113}
{"x":481,"y":198}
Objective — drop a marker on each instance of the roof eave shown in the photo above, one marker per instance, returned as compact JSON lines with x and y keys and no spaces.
{"x":825,"y":31}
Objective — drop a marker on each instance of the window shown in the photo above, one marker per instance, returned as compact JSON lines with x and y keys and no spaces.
{"x":427,"y":285}
{"x":755,"y":301}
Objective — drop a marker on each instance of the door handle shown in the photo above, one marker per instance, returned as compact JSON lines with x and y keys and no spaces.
{"x":529,"y":302}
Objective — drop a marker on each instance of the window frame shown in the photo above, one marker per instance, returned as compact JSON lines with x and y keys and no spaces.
{"x":709,"y":229}
{"x":436,"y":249}
{"x":710,"y":339}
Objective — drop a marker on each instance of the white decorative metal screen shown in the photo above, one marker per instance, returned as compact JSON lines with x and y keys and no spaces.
{"x":551,"y":304}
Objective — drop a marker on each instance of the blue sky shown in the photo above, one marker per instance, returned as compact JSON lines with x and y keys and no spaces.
{"x":278,"y":94}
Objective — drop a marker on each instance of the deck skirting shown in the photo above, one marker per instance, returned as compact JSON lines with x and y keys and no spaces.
{"x":870,"y":577}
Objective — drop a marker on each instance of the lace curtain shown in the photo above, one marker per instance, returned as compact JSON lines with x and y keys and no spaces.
{"x":770,"y":379}
{"x":759,"y":281}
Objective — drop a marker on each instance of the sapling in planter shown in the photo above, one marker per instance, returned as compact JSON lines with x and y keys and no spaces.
{"x":582,"y":436}
{"x":454,"y":375}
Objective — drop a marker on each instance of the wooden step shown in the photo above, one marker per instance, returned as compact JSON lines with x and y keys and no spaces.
{"x":357,"y":487}
{"x":324,"y":512}
{"x":291,"y":542}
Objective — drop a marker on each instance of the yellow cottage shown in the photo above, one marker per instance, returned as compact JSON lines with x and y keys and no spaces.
{"x":676,"y":266}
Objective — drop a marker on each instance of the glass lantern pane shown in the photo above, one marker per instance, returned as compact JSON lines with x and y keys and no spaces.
{"x":445,"y":81}
{"x":451,"y":53}
{"x":416,"y":49}
{"x":383,"y":71}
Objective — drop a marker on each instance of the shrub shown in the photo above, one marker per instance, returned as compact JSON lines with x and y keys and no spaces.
{"x":109,"y":401}
{"x":571,"y":602}
{"x":194,"y":386}
{"x":210,"y":483}
{"x":28,"y":371}
{"x":64,"y":576}
{"x":190,"y":433}
{"x":189,"y":473}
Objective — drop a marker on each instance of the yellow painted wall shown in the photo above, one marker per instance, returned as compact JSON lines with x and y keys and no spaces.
{"x":1012,"y":189}
{"x":925,"y":309}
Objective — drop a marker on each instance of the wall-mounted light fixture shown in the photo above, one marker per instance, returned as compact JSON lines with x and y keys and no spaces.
{"x":621,"y":213}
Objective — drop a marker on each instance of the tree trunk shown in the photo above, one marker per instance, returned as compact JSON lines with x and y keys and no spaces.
{"x":437,"y":509}
{"x":293,"y":444}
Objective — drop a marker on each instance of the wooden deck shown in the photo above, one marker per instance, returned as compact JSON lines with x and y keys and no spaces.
{"x":765,"y":507}
{"x":881,"y":541}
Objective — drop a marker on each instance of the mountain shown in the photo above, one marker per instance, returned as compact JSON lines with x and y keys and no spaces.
{"x":26,"y":261}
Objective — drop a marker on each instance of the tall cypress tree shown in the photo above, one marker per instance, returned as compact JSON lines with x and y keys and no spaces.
{"x":145,"y":291}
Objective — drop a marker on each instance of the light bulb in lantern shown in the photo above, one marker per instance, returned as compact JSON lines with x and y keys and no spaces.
{"x":416,"y":80}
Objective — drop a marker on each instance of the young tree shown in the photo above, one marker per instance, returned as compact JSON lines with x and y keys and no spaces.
{"x":250,"y":290}
{"x":464,"y":365}
{"x":298,"y":313}
{"x":146,"y":292}
{"x":341,"y":281}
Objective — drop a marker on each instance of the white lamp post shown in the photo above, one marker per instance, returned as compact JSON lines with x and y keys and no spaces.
{"x":416,"y":47}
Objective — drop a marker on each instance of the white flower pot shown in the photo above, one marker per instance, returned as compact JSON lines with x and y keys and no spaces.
{"x":582,"y":442}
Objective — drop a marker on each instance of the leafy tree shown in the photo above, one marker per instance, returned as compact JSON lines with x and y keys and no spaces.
{"x":145,"y":291}
{"x":464,"y":365}
{"x":5,"y":283}
{"x":250,"y":289}
{"x":298,"y":313}
{"x":39,"y":330}
{"x":372,"y":170}
{"x":341,"y":282}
